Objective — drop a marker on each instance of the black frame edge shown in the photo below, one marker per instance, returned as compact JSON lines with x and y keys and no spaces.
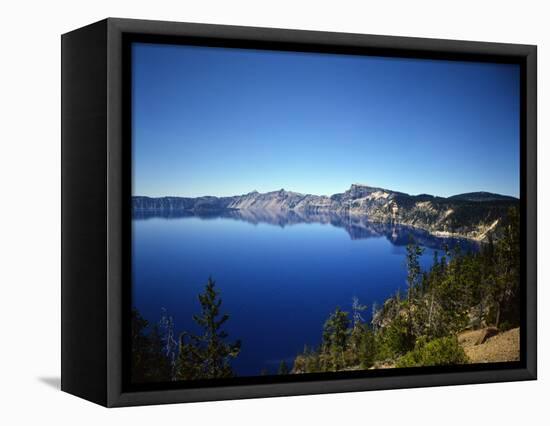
{"x":83,"y":212}
{"x":531,"y":208}
{"x":417,"y":44}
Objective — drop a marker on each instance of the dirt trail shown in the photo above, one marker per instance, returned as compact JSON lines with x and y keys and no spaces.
{"x":500,"y":348}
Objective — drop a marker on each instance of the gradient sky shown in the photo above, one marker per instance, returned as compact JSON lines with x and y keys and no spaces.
{"x":221,"y":121}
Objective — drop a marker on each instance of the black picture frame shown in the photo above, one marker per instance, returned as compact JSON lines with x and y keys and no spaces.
{"x":96,"y":209}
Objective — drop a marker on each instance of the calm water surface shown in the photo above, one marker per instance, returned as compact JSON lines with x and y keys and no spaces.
{"x":280,"y":276}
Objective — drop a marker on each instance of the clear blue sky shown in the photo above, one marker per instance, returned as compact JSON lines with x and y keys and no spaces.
{"x":220,"y":121}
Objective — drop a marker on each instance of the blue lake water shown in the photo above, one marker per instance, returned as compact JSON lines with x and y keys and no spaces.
{"x":280,"y":276}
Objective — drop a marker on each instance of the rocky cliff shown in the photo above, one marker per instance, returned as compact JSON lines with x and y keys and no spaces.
{"x":472,"y":215}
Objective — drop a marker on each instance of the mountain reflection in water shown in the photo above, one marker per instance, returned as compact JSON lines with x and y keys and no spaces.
{"x":357,"y":227}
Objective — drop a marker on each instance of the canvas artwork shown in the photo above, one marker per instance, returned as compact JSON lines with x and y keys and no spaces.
{"x":303,"y":213}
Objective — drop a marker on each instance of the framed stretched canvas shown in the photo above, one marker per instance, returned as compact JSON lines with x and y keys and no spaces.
{"x":253,"y":212}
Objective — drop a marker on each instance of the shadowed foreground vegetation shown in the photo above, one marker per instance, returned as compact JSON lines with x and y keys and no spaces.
{"x":158,"y":357}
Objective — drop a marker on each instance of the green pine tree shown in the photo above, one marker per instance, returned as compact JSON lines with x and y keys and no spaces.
{"x":140,"y":347}
{"x":283,"y":368}
{"x":335,"y":337}
{"x":149,"y":362}
{"x":207,"y":356}
{"x":414,"y":275}
{"x":506,"y":291}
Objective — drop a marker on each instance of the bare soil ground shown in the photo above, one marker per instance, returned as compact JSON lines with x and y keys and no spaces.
{"x":500,"y":348}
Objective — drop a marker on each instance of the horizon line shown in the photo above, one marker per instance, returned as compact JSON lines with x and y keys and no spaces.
{"x":329,"y":195}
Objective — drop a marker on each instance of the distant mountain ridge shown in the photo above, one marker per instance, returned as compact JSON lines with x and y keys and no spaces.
{"x":472,"y":215}
{"x":482,"y":196}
